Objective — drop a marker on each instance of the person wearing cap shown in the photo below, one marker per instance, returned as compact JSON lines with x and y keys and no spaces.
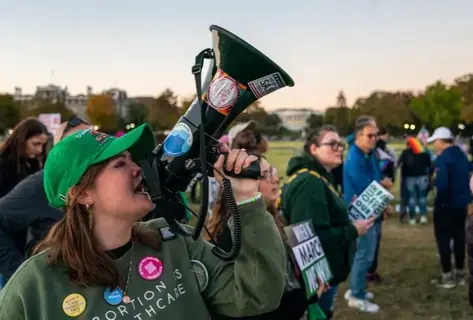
{"x":242,"y":135}
{"x":450,"y":206}
{"x":98,"y":262}
{"x":25,"y":215}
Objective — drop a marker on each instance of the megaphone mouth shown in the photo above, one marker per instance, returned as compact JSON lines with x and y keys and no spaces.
{"x":219,"y":30}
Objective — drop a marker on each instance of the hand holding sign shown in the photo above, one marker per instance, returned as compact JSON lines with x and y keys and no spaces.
{"x":387,"y":183}
{"x":362,"y":226}
{"x":323,"y":287}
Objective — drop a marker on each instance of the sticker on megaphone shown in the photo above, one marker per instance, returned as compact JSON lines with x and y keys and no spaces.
{"x":179,"y":141}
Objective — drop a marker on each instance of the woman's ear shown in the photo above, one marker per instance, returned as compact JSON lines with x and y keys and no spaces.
{"x":313,"y":148}
{"x":84,"y":197}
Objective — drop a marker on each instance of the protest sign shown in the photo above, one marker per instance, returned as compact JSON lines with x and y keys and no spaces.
{"x":309,"y":255}
{"x":371,"y":202}
{"x":51,"y":120}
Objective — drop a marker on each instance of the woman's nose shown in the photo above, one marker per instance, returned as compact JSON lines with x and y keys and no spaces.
{"x":136,"y":170}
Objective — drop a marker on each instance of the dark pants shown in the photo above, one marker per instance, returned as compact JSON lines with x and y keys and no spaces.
{"x":374,"y":265}
{"x":449,"y":223}
{"x":469,"y":241}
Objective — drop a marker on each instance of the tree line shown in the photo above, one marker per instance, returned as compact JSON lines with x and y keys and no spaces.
{"x":440,"y":104}
{"x":161,"y":112}
{"x":403,"y":112}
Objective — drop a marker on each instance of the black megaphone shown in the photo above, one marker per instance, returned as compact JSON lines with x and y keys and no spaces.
{"x":238,"y":75}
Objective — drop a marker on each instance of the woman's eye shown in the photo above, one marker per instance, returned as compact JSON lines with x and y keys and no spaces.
{"x":119,"y":164}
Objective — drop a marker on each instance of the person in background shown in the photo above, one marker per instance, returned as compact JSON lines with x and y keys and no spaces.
{"x":261,"y":143}
{"x":242,"y":135}
{"x":386,"y":155}
{"x":310,"y":195}
{"x":416,"y":165}
{"x":469,"y":241}
{"x":25,"y":215}
{"x":360,"y":169}
{"x":98,"y":259}
{"x":22,"y":153}
{"x":423,"y":135}
{"x":387,"y":163}
{"x":293,"y":302}
{"x":452,"y":171}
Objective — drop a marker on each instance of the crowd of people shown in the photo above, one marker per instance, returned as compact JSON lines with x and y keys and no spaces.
{"x":80,"y":236}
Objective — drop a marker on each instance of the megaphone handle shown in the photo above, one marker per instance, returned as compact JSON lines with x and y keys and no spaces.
{"x":252,"y":172}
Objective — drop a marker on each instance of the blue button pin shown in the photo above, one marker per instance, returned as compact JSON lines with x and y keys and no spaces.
{"x":113,"y":297}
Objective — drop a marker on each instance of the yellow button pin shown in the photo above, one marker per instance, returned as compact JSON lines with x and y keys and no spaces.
{"x":74,"y":305}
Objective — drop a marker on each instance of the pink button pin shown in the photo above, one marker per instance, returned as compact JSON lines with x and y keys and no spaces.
{"x":150,"y":268}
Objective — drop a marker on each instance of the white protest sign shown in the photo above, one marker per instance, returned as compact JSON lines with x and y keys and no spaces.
{"x":371,"y":202}
{"x":51,"y":120}
{"x":309,"y":255}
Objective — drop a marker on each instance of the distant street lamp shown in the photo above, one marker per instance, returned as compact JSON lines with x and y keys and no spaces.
{"x":461,"y":126}
{"x":96,"y":128}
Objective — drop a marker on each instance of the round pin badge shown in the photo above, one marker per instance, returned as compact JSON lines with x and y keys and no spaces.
{"x":201,"y":274}
{"x":223,"y":92}
{"x":113,"y":297}
{"x":179,"y":141}
{"x":74,"y":305}
{"x":150,"y":268}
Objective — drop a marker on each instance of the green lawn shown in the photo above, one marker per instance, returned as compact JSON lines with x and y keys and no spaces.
{"x":281,"y":151}
{"x":407,"y":261}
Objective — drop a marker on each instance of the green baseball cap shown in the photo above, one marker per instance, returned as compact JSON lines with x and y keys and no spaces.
{"x":70,"y":158}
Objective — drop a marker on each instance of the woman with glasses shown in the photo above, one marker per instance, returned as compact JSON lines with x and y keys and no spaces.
{"x":293,"y":303}
{"x":310,"y":195}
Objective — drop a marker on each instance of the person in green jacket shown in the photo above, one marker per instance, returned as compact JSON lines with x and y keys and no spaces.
{"x":310,"y":194}
{"x":99,"y":263}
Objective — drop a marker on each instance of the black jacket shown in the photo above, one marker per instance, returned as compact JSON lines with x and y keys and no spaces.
{"x":9,"y":176}
{"x":414,"y":165}
{"x":25,"y":218}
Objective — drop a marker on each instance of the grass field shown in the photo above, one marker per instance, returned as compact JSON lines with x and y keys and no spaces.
{"x":407,"y":262}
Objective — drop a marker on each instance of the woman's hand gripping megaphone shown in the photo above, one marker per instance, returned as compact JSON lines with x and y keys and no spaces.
{"x":232,"y":164}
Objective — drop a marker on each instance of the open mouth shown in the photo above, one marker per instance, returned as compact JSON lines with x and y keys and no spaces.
{"x":141,"y":189}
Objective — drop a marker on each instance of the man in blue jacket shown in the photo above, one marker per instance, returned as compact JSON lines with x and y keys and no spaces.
{"x":360,"y":169}
{"x":450,"y":207}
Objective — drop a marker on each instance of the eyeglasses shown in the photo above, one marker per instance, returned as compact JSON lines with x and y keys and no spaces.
{"x":371,"y":135}
{"x":72,"y":124}
{"x":269,"y":176}
{"x":335,"y":145}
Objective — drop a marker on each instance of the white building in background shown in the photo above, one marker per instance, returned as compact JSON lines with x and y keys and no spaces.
{"x":295,"y":119}
{"x":53,"y":93}
{"x":76,"y":103}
